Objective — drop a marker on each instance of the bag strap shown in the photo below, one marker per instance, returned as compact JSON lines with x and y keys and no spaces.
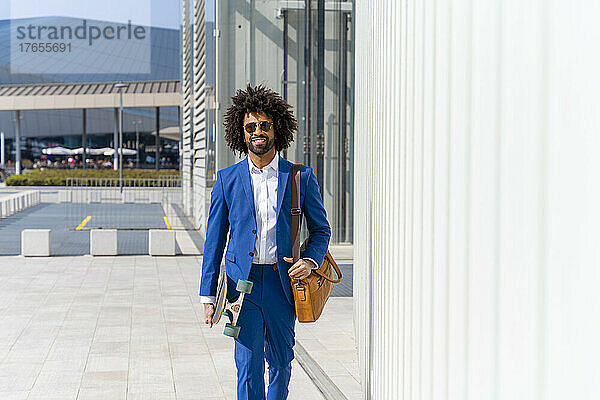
{"x":335,"y":267}
{"x":296,"y":225}
{"x":296,"y":212}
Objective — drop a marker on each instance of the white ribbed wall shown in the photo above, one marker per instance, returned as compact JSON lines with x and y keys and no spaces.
{"x":194,"y":113}
{"x":199,"y":138}
{"x":187,"y":106}
{"x":477,"y":202}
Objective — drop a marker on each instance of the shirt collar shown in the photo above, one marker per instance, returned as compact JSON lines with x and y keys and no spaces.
{"x":273,"y":165}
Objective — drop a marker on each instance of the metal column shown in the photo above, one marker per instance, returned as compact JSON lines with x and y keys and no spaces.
{"x":116,"y":140}
{"x":343,"y":129}
{"x":320,"y":139}
{"x":157,"y":152}
{"x":180,"y":147}
{"x":2,"y":158}
{"x":84,"y":137}
{"x":284,"y":82}
{"x":18,"y":143}
{"x":307,"y":79}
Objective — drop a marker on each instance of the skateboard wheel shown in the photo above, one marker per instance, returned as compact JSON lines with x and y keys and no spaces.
{"x":231,"y":330}
{"x":244,"y":286}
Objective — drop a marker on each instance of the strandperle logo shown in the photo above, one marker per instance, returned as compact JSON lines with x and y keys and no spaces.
{"x":84,"y":31}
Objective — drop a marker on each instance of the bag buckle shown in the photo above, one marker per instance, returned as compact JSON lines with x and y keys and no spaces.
{"x":301,"y":291}
{"x":296,"y":211}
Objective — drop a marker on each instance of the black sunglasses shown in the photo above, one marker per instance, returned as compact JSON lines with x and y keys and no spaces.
{"x":264,"y":126}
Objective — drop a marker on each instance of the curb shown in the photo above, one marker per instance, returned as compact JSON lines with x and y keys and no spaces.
{"x":324,"y":384}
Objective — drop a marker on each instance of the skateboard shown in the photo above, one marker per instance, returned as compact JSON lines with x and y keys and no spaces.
{"x":230,"y":309}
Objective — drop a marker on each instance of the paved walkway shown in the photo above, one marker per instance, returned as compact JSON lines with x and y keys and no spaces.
{"x":129,"y":327}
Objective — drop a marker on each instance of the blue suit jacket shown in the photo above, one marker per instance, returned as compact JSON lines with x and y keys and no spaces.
{"x":232,"y":209}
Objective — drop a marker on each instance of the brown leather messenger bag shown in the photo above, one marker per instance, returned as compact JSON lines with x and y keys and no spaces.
{"x":311,"y":293}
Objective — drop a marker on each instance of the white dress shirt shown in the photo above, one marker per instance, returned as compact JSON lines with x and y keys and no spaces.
{"x":264,"y":187}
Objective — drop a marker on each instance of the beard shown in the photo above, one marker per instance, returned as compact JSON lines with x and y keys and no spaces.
{"x":261,"y":148}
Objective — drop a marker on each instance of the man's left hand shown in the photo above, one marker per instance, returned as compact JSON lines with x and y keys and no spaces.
{"x":300,"y":270}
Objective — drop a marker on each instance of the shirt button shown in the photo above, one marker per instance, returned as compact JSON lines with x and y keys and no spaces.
{"x":253,"y":230}
{"x":251,"y":254}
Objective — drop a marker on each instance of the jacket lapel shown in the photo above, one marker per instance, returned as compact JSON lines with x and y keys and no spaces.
{"x":244,"y":173}
{"x":284,"y":173}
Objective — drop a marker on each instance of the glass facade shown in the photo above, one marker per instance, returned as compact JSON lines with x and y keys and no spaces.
{"x":306,"y":54}
{"x":47,"y":128}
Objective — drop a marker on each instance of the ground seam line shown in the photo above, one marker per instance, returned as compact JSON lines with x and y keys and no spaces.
{"x":319,"y":378}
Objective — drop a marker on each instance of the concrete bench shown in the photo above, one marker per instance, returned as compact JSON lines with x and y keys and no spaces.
{"x":161,"y":242}
{"x":36,"y":242}
{"x":103,"y":242}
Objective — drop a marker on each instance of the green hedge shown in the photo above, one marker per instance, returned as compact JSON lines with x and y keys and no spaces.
{"x":58,"y":177}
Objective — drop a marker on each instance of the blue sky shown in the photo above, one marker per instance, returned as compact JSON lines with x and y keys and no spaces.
{"x":162,"y":13}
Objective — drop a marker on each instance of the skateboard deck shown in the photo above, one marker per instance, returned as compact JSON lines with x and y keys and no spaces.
{"x":230,"y":309}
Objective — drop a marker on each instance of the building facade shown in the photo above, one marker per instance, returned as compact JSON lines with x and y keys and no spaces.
{"x":476,"y":217}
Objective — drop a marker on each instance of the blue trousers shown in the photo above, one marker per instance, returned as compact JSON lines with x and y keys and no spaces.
{"x":267,"y":323}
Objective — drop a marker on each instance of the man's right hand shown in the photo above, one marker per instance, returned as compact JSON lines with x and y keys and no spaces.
{"x":209,"y":311}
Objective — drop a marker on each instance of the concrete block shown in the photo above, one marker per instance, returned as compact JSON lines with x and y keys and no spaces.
{"x":161,"y":242}
{"x":155,"y":196}
{"x":103,"y":242}
{"x":65,"y":196}
{"x":36,"y":242}
{"x":94,"y":195}
{"x":129,"y":196}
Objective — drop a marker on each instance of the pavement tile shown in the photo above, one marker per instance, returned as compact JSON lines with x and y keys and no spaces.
{"x":28,"y":355}
{"x":199,"y":367}
{"x":102,"y":394}
{"x":112,"y":348}
{"x":50,"y":375}
{"x":138,"y":390}
{"x":184,"y":349}
{"x":113,"y":380}
{"x":117,"y":333}
{"x":18,"y":376}
{"x":55,"y":390}
{"x":156,"y":374}
{"x":22,"y":395}
{"x":107,"y":362}
{"x":154,"y":395}
{"x":66,"y":352}
{"x":200,"y":387}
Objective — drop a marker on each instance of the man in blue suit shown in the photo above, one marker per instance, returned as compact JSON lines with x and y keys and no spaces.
{"x":252,"y":200}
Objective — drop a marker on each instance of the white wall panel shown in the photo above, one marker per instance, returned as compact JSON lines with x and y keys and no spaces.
{"x":194,"y":113}
{"x":199,"y":139}
{"x":187,"y":106}
{"x":476,"y":211}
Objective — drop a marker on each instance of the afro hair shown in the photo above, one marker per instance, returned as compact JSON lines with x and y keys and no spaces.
{"x":259,"y":99}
